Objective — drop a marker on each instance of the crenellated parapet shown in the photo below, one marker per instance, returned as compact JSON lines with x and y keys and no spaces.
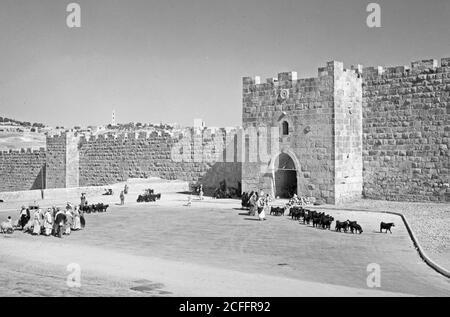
{"x":146,"y":135}
{"x":156,"y":135}
{"x":24,"y":151}
{"x":56,"y":137}
{"x":291,"y":79}
{"x":264,"y":103}
{"x":425,"y":66}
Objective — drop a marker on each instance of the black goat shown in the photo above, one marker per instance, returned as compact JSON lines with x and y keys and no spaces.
{"x":357,"y":228}
{"x":386,"y":226}
{"x":341,"y":226}
{"x":326,"y":222}
{"x":297,"y":213}
{"x":100,"y":207}
{"x":277,"y":211}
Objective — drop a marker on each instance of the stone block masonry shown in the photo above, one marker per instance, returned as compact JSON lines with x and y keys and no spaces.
{"x":320,"y":124}
{"x":72,"y":161}
{"x":107,"y":159}
{"x":62,"y":161}
{"x":406,"y":129}
{"x":376,"y":131}
{"x":348,"y":141}
{"x":56,"y":161}
{"x":22,"y":170}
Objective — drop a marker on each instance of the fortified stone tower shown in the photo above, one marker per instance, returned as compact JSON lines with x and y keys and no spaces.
{"x":317,"y":123}
{"x":62,"y":161}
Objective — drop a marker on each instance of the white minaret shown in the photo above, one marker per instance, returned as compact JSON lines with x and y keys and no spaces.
{"x":113,"y":118}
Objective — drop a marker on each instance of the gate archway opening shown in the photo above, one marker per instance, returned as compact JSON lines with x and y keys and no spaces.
{"x":285,"y":176}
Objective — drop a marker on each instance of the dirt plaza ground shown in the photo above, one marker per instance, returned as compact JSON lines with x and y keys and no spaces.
{"x":430,"y":222}
{"x":213,"y":249}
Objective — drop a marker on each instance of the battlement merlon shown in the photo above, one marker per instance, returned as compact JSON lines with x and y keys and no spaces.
{"x":57,"y":136}
{"x":358,"y":69}
{"x":334,"y":66}
{"x":373,"y":71}
{"x":445,"y":62}
{"x":62,"y":136}
{"x":287,"y":76}
{"x":248,"y":81}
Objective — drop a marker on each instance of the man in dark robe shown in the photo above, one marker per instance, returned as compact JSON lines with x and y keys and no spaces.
{"x":24,"y":217}
{"x":58,"y":225}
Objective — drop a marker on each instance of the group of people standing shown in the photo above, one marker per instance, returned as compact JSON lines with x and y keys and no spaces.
{"x":296,"y":201}
{"x":53,"y":221}
{"x":259,"y":203}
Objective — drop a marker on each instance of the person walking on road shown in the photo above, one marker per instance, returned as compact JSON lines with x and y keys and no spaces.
{"x":122,"y":198}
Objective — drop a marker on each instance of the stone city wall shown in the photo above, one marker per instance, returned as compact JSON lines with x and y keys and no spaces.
{"x":108,"y":159}
{"x":22,"y":169}
{"x":407,"y":131}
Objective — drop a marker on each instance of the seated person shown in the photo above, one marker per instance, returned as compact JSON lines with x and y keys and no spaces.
{"x":7,"y":226}
{"x":294,"y":200}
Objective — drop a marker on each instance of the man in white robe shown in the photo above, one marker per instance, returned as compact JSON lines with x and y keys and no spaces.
{"x":48,"y":222}
{"x":36,"y":223}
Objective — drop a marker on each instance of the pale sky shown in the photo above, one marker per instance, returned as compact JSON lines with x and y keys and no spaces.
{"x":176,"y":60}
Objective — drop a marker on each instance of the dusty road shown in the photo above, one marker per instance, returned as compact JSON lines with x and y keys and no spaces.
{"x":430,"y":222}
{"x":214,"y":249}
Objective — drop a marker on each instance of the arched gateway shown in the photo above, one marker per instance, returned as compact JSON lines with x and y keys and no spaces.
{"x":285,"y":176}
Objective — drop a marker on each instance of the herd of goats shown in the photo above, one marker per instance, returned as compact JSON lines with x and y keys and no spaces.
{"x":317,"y":219}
